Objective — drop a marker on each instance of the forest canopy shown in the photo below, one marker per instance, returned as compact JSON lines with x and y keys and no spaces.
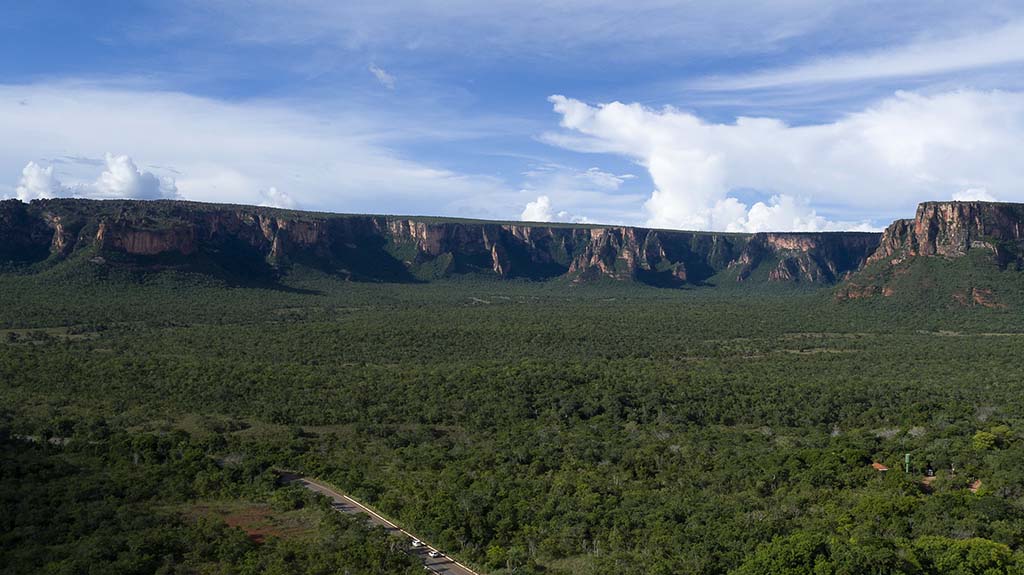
{"x":522,"y":427}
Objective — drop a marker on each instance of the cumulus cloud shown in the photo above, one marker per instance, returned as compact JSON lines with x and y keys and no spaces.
{"x":907,"y":148}
{"x":781,"y":213}
{"x":581,"y":195}
{"x":385,"y":79}
{"x":121,"y":178}
{"x":974,"y":195}
{"x":538,"y":210}
{"x":37,"y":183}
{"x":275,"y":198}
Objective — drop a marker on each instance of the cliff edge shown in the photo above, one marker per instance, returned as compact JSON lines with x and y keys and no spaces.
{"x":389,"y":248}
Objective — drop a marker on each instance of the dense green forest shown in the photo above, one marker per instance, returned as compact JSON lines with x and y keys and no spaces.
{"x":102,"y":501}
{"x":524,"y":427}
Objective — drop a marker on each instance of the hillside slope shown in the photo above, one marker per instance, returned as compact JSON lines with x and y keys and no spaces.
{"x":961,"y":254}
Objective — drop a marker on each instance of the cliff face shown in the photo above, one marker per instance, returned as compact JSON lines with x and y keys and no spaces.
{"x":809,"y":257}
{"x":948,"y":230}
{"x":24,"y":237}
{"x":417,"y":249}
{"x":951,"y":229}
{"x":130,"y":239}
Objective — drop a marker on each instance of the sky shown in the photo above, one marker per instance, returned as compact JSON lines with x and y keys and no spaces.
{"x":786,"y":115}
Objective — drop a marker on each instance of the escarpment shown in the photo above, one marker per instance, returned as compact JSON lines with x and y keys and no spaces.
{"x":806,"y":257}
{"x":942,"y":231}
{"x":952,"y":229}
{"x":388,"y":248}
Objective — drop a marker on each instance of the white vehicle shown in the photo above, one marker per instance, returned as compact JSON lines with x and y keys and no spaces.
{"x":434,"y":553}
{"x":417,"y":543}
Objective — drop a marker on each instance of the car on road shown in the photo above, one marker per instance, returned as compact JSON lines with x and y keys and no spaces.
{"x":434,"y":553}
{"x":417,"y":543}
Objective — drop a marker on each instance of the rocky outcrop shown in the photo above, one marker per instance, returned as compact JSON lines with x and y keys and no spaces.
{"x":806,"y":257}
{"x":608,"y":252}
{"x":948,"y":230}
{"x":983,"y":297}
{"x":952,"y":229}
{"x":124,"y":236}
{"x":383,"y":248}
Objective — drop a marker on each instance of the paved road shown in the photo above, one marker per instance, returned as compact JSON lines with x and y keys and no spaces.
{"x":346,"y":504}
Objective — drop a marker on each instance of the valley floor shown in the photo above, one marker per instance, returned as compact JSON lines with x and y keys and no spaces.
{"x":523,"y":427}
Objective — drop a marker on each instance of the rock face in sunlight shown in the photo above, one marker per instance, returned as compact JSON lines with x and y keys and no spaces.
{"x":951,"y":229}
{"x":986,"y":235}
{"x":122,"y":235}
{"x":384,"y":248}
{"x":805,"y":257}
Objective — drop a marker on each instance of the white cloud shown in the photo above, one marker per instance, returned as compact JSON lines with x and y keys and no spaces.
{"x":564,"y":216}
{"x":905,"y":149}
{"x":38,"y":183}
{"x":1003,"y":45}
{"x":385,"y":79}
{"x":974,"y":195}
{"x":605,"y":180}
{"x":595,"y":192}
{"x":274,"y":198}
{"x":538,"y":210}
{"x":231,"y":151}
{"x":783,"y":213}
{"x":120,"y":179}
{"x":496,"y":28}
{"x":123,"y":179}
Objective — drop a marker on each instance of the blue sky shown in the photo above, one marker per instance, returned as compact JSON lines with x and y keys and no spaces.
{"x":789,"y":115}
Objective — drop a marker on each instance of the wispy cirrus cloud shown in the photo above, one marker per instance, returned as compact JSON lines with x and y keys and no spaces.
{"x":980,"y":49}
{"x":382,"y":75}
{"x":497,"y":28}
{"x":215,"y":151}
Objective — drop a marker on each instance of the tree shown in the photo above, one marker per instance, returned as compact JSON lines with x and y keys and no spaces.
{"x":983,"y":441}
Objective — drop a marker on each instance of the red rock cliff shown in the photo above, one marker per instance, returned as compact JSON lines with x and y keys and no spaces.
{"x":393,"y":248}
{"x":951,"y":229}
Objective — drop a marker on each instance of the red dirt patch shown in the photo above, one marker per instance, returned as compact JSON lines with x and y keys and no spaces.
{"x":258,"y":520}
{"x":985,"y":297}
{"x":854,"y":291}
{"x":977,"y":296}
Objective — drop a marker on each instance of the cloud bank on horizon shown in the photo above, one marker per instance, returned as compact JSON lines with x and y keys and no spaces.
{"x":957,"y":145}
{"x":784,"y":116}
{"x":120,"y":179}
